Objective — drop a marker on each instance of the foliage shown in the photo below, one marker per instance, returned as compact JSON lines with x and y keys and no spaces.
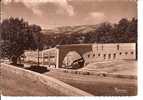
{"x":125,"y":31}
{"x":16,"y":36}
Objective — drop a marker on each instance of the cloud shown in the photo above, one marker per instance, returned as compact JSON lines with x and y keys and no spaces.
{"x":96,"y":17}
{"x":34,"y":5}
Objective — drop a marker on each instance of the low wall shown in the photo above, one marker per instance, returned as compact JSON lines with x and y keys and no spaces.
{"x":60,"y":86}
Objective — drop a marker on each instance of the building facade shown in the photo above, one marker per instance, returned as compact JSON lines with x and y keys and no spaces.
{"x":68,"y":55}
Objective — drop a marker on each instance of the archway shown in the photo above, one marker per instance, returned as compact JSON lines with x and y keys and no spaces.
{"x":73,"y":60}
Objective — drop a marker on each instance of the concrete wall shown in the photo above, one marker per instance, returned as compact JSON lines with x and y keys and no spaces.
{"x":89,"y":52}
{"x":49,"y":57}
{"x":57,"y":85}
{"x":106,"y":52}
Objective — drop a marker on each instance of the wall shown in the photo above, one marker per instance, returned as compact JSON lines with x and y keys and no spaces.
{"x":33,"y":56}
{"x":89,"y":52}
{"x":50,"y":57}
{"x":106,"y":52}
{"x":61,"y":87}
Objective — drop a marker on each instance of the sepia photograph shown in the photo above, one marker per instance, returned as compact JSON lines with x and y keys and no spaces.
{"x":68,"y":48}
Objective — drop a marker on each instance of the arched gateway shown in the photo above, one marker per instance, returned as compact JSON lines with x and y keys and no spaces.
{"x":66,"y":55}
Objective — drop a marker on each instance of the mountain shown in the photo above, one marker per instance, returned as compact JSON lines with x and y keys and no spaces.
{"x":83,"y":29}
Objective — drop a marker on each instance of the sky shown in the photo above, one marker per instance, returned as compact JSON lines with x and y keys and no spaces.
{"x":55,"y":13}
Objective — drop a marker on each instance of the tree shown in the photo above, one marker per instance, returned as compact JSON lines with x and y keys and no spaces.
{"x":36,"y":32}
{"x":17,"y":36}
{"x":126,"y":30}
{"x":123,"y":25}
{"x":132,"y":30}
{"x":104,"y":33}
{"x":36,"y":29}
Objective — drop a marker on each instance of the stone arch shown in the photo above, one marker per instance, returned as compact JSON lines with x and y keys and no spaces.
{"x":72,"y":58}
{"x":79,"y":49}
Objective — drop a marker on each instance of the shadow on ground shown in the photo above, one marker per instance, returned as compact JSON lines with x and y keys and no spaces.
{"x":39,"y":69}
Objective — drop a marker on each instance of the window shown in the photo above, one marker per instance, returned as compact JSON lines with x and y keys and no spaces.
{"x":88,"y":55}
{"x":99,"y":55}
{"x":109,"y":56}
{"x":114,"y":55}
{"x":104,"y":56}
{"x":126,"y":53}
{"x":93,"y":55}
{"x":132,"y":52}
{"x":118,"y":47}
{"x":120,"y":53}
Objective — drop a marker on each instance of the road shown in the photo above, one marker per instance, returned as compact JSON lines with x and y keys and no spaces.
{"x":99,"y":86}
{"x":14,"y":85}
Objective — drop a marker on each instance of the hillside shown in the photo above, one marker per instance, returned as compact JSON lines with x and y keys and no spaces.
{"x":125,"y":31}
{"x":82,"y":29}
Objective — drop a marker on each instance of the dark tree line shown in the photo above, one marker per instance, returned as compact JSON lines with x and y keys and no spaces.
{"x":16,"y":35}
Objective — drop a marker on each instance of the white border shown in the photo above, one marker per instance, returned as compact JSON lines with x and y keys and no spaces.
{"x":140,"y":48}
{"x":140,"y":71}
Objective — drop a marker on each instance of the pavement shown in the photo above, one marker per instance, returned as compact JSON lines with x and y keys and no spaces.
{"x":97,"y":85}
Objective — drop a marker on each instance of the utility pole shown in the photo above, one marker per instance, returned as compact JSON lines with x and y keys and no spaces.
{"x":38,"y":50}
{"x":97,"y":41}
{"x":136,"y":49}
{"x":0,"y":22}
{"x":1,"y":11}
